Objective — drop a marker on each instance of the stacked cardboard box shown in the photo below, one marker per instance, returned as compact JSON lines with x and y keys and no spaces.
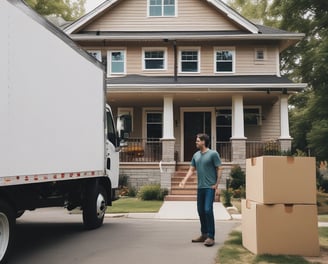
{"x":280,"y":213}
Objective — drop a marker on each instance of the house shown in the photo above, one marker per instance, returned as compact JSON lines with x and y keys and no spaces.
{"x":180,"y":67}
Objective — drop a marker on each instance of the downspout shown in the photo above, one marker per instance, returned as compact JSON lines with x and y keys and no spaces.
{"x":175,"y":61}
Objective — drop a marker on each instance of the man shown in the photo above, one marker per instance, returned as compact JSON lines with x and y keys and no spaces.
{"x":207,"y":163}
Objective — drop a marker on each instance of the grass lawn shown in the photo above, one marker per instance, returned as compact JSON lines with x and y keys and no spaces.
{"x":134,"y":205}
{"x":233,"y":252}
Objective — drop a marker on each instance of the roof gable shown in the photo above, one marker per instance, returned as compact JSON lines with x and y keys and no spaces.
{"x":131,"y":15}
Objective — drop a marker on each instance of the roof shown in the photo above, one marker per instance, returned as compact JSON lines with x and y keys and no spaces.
{"x":189,"y":83}
{"x":230,"y":13}
{"x":55,"y":30}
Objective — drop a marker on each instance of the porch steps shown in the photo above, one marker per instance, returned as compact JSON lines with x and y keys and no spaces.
{"x":189,"y":192}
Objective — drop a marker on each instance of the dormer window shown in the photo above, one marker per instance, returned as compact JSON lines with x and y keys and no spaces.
{"x":161,"y":8}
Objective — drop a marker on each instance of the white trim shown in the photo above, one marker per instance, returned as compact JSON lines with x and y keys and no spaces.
{"x":197,"y":109}
{"x":86,"y":18}
{"x":234,"y":53}
{"x":234,"y":16}
{"x":145,"y":49}
{"x":288,"y":37}
{"x":278,"y":62}
{"x":186,"y":48}
{"x":207,"y":87}
{"x":109,"y":62}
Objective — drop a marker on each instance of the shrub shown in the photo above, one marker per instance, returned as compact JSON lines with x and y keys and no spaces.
{"x":152,"y":192}
{"x":238,"y":178}
{"x":272,"y":148}
{"x":227,"y":195}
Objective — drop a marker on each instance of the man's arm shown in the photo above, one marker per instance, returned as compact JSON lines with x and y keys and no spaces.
{"x":190,"y":172}
{"x":218,"y":178}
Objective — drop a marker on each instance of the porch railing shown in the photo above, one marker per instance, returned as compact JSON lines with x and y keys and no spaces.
{"x":254,"y":149}
{"x":224,"y":149}
{"x":141,"y":150}
{"x":150,"y":149}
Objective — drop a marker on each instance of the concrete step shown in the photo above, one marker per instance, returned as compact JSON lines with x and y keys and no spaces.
{"x":185,"y":191}
{"x":181,"y":198}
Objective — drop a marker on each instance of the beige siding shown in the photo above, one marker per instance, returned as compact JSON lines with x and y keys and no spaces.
{"x":271,"y":124}
{"x":245,"y":62}
{"x":131,"y":15}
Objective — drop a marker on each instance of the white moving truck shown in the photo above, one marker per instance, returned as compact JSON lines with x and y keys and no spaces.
{"x":58,"y":143}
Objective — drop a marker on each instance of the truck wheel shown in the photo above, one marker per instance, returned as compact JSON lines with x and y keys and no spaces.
{"x":7,"y":223}
{"x":95,"y":205}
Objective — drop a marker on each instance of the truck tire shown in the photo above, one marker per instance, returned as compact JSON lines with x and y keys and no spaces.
{"x":95,"y":205}
{"x":7,"y":224}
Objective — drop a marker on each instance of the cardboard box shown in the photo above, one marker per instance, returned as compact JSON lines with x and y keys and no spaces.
{"x":280,"y":229}
{"x":281,"y":179}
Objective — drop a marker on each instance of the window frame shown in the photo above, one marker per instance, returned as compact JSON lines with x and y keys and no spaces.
{"x":190,"y":49}
{"x":259,"y":115}
{"x":145,"y":123}
{"x":258,"y":60}
{"x":126,"y":111}
{"x":150,"y":49}
{"x":109,"y":62}
{"x":162,"y":9}
{"x":233,"y":61}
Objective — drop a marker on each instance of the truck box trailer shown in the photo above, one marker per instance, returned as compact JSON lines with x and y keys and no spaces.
{"x":58,"y":142}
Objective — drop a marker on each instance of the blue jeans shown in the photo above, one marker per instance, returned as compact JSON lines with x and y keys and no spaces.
{"x":205,"y":199}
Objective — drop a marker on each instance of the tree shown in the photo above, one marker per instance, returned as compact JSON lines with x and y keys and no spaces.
{"x":67,"y":9}
{"x":305,"y":62}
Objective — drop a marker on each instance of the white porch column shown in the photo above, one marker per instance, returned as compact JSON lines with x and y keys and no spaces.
{"x":285,"y":138}
{"x":168,"y":120}
{"x":237,"y":117}
{"x":238,"y":139}
{"x":284,"y":121}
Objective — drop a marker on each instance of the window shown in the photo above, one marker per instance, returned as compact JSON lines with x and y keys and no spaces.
{"x":159,"y":8}
{"x":223,"y":124}
{"x":96,"y":54}
{"x":189,"y":61}
{"x":259,"y":54}
{"x":122,"y":111}
{"x":252,"y":116}
{"x":154,"y":126}
{"x":154,"y":60}
{"x":116,"y":62}
{"x":224,"y":60}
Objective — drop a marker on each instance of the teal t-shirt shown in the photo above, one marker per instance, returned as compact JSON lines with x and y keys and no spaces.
{"x":206,"y":165}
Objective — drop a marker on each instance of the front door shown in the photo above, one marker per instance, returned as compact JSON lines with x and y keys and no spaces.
{"x":195,"y":123}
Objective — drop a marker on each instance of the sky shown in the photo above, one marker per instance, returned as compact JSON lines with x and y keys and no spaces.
{"x":91,"y":4}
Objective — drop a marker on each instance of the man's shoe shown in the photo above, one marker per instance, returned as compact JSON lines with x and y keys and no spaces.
{"x":200,"y":239}
{"x":209,"y":242}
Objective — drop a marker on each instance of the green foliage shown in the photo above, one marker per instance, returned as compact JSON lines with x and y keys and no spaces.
{"x":237,"y":178}
{"x":306,"y":62}
{"x":272,"y":148}
{"x":152,"y":192}
{"x":67,"y":9}
{"x":227,"y":195}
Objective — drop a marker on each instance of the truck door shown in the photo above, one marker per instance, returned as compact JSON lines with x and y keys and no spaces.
{"x":112,"y":147}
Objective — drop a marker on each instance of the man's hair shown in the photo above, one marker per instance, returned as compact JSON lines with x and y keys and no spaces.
{"x":204,"y":137}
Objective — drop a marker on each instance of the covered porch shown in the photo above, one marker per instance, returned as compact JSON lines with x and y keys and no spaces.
{"x":243,"y":118}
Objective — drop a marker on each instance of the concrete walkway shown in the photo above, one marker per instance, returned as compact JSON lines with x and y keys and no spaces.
{"x":188,"y":210}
